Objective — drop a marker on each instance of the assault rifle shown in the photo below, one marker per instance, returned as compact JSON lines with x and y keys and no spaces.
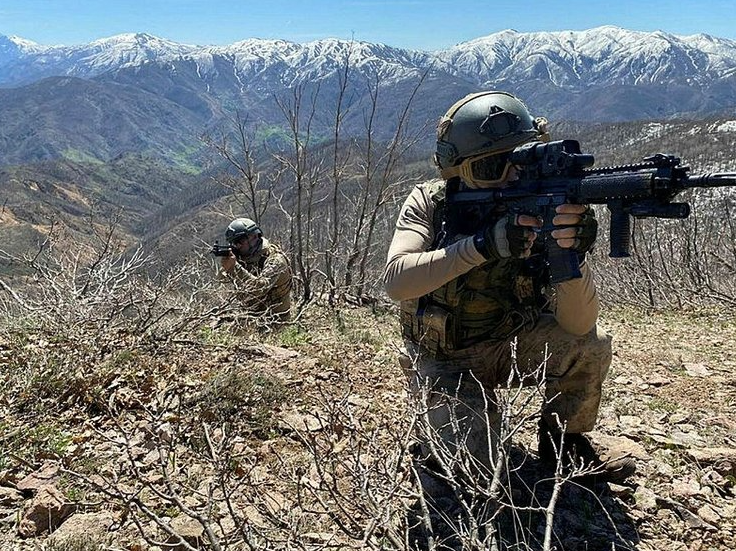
{"x":557,"y":172}
{"x":221,"y":250}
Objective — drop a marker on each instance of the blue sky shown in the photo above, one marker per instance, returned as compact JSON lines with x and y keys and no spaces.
{"x":423,"y":25}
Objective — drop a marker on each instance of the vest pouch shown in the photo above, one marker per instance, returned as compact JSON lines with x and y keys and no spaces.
{"x":437,"y":330}
{"x":409,"y":320}
{"x":432,"y":327}
{"x":449,"y":294}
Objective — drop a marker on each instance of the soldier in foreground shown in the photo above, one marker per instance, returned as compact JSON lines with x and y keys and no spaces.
{"x":467,"y":297}
{"x":259,"y":270}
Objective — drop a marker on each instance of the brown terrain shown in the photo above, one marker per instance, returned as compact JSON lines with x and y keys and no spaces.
{"x":234,"y":439}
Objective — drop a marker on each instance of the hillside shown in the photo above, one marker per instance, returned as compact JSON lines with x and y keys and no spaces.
{"x":178,"y":212}
{"x":77,"y":201}
{"x":142,"y":409}
{"x":140,"y":94}
{"x":304,"y":434}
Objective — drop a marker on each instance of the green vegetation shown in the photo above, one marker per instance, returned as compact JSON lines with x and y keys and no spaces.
{"x":663,"y":404}
{"x":242,"y":396}
{"x":355,"y":330}
{"x":293,"y":336}
{"x":273,"y":135}
{"x":216,"y":337}
{"x":185,"y":160}
{"x":79,"y":156}
{"x":44,"y":440}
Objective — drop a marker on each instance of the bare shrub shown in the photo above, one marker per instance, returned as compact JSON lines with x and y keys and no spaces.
{"x":675,"y":263}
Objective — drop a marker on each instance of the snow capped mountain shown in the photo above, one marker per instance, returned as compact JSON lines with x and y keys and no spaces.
{"x":253,"y":57}
{"x":32,"y":61}
{"x":126,"y":50}
{"x":602,"y":56}
{"x":605,"y":55}
{"x":289,"y":63}
{"x":602,"y":74}
{"x":19,"y":45}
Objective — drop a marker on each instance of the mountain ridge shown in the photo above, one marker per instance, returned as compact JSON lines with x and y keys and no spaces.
{"x":607,"y":74}
{"x":571,"y":55}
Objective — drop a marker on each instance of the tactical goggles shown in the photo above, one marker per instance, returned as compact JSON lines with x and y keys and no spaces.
{"x":484,"y":170}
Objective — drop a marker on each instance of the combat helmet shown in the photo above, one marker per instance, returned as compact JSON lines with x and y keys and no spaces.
{"x":242,"y":227}
{"x":478,"y":129}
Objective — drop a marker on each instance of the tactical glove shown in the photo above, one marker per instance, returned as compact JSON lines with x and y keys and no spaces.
{"x":586,"y":231}
{"x":504,"y":239}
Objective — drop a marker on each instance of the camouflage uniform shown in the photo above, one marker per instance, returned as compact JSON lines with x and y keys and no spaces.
{"x":263,"y":282}
{"x":557,"y":326}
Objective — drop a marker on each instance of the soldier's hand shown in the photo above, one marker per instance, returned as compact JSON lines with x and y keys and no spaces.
{"x":578,"y":227}
{"x":510,"y":237}
{"x":228,"y":262}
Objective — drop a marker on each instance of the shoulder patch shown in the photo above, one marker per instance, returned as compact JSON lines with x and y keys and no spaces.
{"x":436,"y":190}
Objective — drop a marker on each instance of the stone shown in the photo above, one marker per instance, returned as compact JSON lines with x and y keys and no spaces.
{"x":47,"y":475}
{"x":677,"y":418}
{"x":276,"y":353}
{"x":10,"y":497}
{"x":686,"y":488}
{"x":646,"y":499}
{"x":93,"y":527}
{"x":620,"y":446}
{"x":686,"y":439}
{"x":722,"y":459}
{"x":696,"y":369}
{"x":48,"y":509}
{"x":630,"y":421}
{"x":657,"y":380}
{"x":709,"y":515}
{"x":187,"y":527}
{"x":295,"y":421}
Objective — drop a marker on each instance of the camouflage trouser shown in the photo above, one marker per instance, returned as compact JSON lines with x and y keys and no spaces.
{"x":463,"y":382}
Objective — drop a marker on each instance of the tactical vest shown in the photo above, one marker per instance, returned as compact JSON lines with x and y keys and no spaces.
{"x":491,"y":302}
{"x":277,"y":296}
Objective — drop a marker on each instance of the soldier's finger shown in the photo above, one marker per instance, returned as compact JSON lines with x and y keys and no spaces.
{"x":529,"y":236}
{"x":566,"y":219}
{"x":528,"y":221}
{"x":566,"y":243}
{"x":565,"y":233}
{"x":569,"y":208}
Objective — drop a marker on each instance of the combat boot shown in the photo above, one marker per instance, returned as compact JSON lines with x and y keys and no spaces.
{"x":610,"y":465}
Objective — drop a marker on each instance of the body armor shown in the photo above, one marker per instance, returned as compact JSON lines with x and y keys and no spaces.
{"x":278,"y":296}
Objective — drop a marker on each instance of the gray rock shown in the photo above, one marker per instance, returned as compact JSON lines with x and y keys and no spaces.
{"x":92,"y":527}
{"x":189,"y":529}
{"x":47,"y":475}
{"x":646,"y":499}
{"x":722,"y":459}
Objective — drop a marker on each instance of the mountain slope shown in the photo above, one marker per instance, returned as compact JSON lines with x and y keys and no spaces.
{"x":65,"y":117}
{"x":172,"y":93}
{"x":602,"y":56}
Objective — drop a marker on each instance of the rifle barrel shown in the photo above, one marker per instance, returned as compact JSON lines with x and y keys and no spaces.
{"x":715,"y":179}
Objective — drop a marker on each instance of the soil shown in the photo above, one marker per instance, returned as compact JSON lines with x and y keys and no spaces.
{"x":309,"y":429}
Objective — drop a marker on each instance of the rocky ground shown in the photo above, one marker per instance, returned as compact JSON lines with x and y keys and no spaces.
{"x":300,"y":439}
